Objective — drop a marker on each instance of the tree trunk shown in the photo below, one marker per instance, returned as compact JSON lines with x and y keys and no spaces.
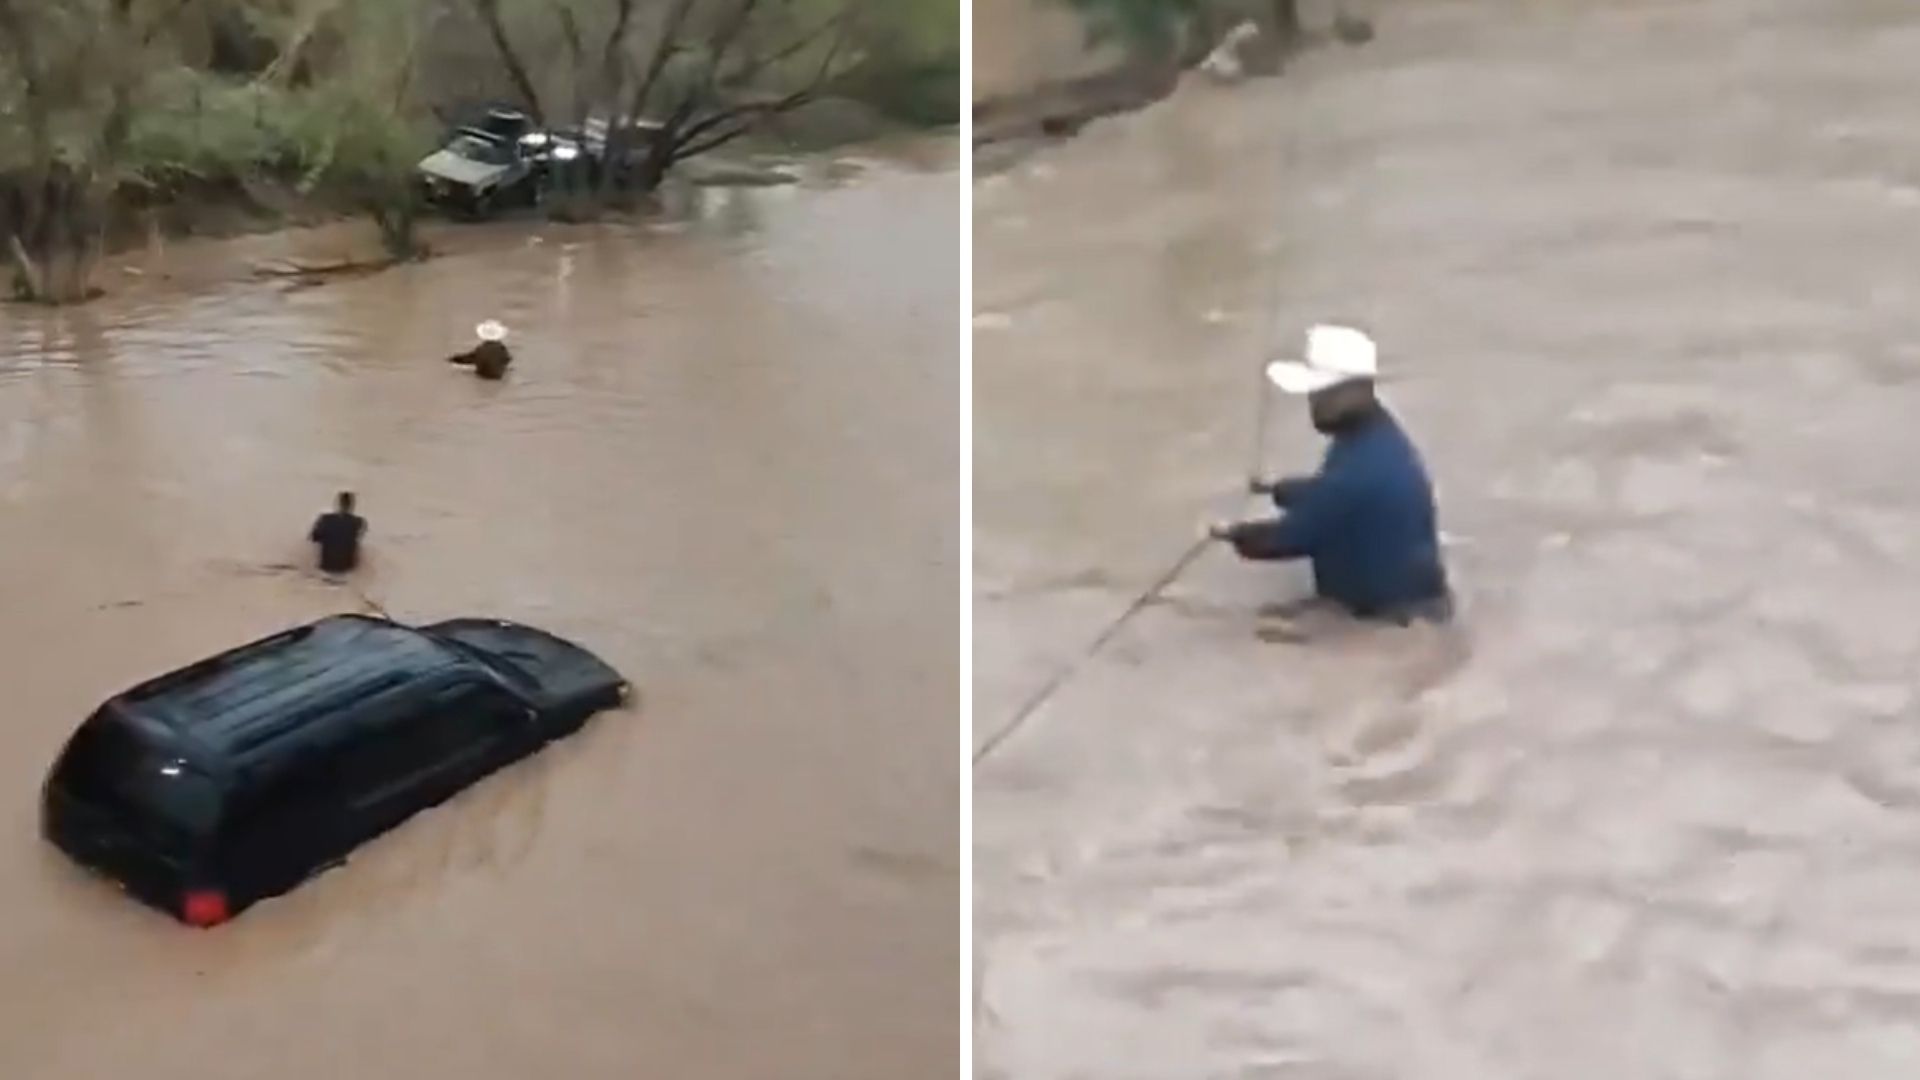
{"x":399,"y":235}
{"x":1286,"y":21}
{"x":489,"y":11}
{"x":55,"y":242}
{"x":654,"y":166}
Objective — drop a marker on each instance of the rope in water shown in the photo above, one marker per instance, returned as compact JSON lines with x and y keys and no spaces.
{"x":1039,"y":698}
{"x":1061,"y":677}
{"x":367,"y":601}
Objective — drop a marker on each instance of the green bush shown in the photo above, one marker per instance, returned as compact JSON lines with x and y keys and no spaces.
{"x":910,"y":61}
{"x":1145,"y":24}
{"x":202,"y":128}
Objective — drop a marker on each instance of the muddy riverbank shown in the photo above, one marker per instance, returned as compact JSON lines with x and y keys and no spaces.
{"x":1040,"y":77}
{"x":142,"y":220}
{"x":1639,"y":273}
{"x":725,"y":460}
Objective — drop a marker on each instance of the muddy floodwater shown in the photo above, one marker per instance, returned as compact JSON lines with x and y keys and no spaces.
{"x":725,"y":460}
{"x":1644,"y":277}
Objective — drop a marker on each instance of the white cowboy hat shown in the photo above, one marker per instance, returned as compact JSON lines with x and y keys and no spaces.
{"x":1335,"y":355}
{"x":491,"y":330}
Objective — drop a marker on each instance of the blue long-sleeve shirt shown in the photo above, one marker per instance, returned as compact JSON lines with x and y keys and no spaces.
{"x":1366,"y":520}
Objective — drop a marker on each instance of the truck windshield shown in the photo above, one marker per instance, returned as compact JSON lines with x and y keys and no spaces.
{"x":484,"y":151}
{"x":153,"y":793}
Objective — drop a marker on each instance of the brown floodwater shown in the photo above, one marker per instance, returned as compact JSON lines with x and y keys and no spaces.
{"x":725,"y":459}
{"x":1642,"y":273}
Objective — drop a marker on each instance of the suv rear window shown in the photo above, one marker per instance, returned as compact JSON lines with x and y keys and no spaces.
{"x":515,"y":674}
{"x":153,"y":794}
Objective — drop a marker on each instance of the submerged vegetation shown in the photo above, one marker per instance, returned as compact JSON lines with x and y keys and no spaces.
{"x":111,"y":108}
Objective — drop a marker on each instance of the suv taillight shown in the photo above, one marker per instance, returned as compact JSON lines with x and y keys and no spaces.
{"x":204,"y":907}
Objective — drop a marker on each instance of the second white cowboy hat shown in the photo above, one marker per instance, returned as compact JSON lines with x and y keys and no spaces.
{"x":491,"y":330}
{"x":1335,"y":355}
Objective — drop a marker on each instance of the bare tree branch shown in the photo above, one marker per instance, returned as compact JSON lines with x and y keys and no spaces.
{"x":118,"y":122}
{"x":570,"y":36}
{"x":743,"y":111}
{"x":403,"y":78}
{"x":489,"y":12}
{"x":837,"y":24}
{"x":728,"y":123}
{"x":160,"y":22}
{"x":289,"y":59}
{"x":665,"y":48}
{"x":576,"y":54}
{"x":612,"y":66}
{"x":744,"y":117}
{"x":663,"y":51}
{"x":723,"y":43}
{"x":712,"y":142}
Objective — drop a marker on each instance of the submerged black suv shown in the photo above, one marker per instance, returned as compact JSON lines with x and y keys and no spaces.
{"x":236,"y":778}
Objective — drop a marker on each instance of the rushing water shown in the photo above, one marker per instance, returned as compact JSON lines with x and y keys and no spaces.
{"x":725,"y":460}
{"x":1642,"y":272}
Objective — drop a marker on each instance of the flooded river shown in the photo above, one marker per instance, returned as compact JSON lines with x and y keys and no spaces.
{"x":725,"y":460}
{"x":1642,"y":273}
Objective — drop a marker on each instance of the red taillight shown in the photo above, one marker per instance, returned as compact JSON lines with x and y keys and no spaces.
{"x":204,"y":907}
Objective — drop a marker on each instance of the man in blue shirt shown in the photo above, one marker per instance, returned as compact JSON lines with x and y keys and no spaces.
{"x":1366,"y":520}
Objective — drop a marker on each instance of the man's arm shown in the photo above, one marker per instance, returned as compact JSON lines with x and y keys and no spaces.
{"x":319,"y":526}
{"x":1286,"y":491}
{"x":1266,"y":541}
{"x":1292,"y":491}
{"x":1313,"y":511}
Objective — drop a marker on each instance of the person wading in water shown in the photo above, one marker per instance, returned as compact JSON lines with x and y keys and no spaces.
{"x":490,"y":358}
{"x":1366,"y":520}
{"x":337,"y":534}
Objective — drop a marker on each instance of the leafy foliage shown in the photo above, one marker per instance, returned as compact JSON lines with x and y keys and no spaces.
{"x":1146,"y":24}
{"x":339,"y":98}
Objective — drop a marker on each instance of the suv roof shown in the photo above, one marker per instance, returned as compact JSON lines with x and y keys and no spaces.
{"x":236,"y":703}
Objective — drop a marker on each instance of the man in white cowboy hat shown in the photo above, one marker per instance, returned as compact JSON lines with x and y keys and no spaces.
{"x":490,"y":358}
{"x":1366,"y":520}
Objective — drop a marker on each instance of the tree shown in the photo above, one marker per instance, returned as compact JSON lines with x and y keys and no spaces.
{"x":368,"y":163}
{"x":677,"y":78}
{"x":71,"y":76}
{"x":370,"y":143}
{"x":105,"y":103}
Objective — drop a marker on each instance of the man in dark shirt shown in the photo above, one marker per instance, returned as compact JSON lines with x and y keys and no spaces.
{"x":1366,"y":520}
{"x":338,"y":536}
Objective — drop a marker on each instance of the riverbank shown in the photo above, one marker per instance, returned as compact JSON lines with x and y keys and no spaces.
{"x":144,"y":224}
{"x":1046,"y":81}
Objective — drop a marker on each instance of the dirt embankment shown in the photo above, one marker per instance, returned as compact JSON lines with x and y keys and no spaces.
{"x":1039,"y":78}
{"x":144,"y":217}
{"x":1036,"y":77}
